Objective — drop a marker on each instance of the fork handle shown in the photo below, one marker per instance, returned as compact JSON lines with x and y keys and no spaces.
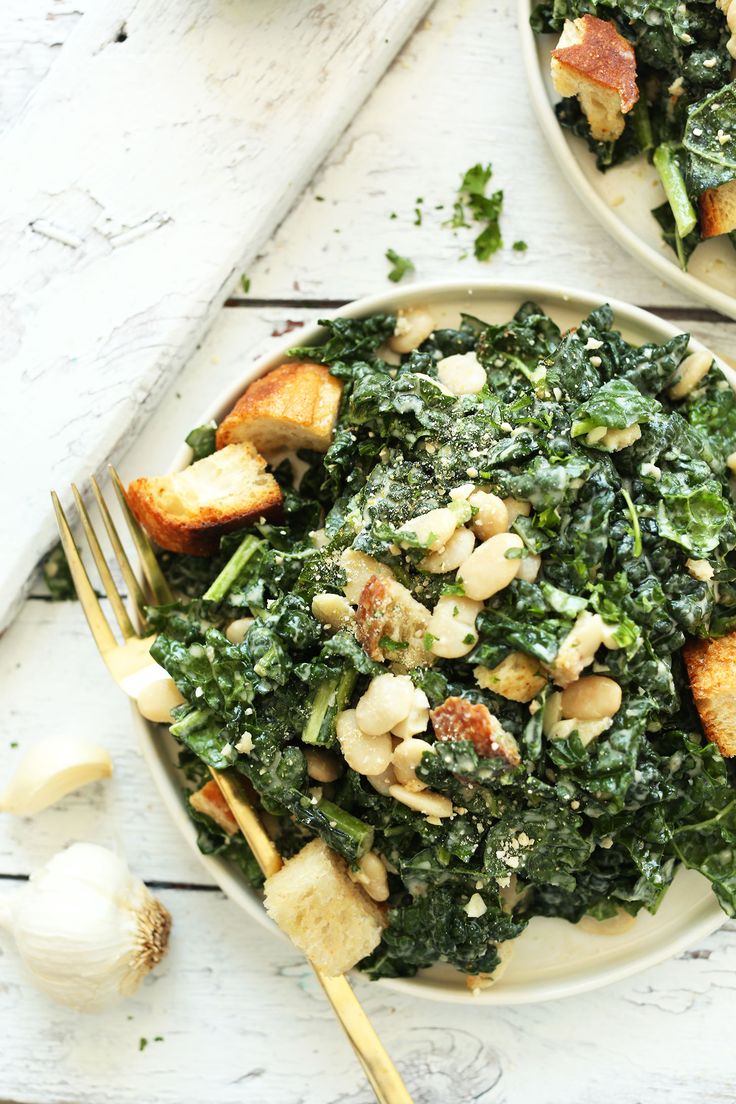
{"x":379,"y":1069}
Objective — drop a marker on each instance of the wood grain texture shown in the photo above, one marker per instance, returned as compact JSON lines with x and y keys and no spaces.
{"x":155,"y":176}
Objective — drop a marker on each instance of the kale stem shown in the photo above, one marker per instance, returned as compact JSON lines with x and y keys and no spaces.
{"x":232,"y":569}
{"x":665,"y":162}
{"x":343,"y":824}
{"x":330,"y":699}
{"x":642,"y":126}
{"x":638,"y":548}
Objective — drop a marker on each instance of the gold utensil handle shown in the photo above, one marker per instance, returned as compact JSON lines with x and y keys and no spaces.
{"x":379,"y":1069}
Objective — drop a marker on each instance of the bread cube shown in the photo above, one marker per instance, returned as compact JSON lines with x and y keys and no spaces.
{"x":331,"y":919}
{"x":711,"y":668}
{"x":210,"y":801}
{"x":294,"y":406}
{"x":718,"y":210}
{"x":190,"y":510}
{"x":598,"y":65}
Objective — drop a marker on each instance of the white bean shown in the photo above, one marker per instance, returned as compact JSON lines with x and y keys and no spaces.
{"x":591,"y":698}
{"x":332,"y":610}
{"x":516,"y":507}
{"x":455,"y":553}
{"x":731,"y":462}
{"x":492,"y":516}
{"x":529,"y":569}
{"x":386,"y":703}
{"x":321,"y":765}
{"x":586,"y":730}
{"x":463,"y":374}
{"x":406,"y":759}
{"x":453,"y":625}
{"x":371,"y":875}
{"x":426,"y":801}
{"x":700,"y":569}
{"x":689,"y":374}
{"x":237,"y":631}
{"x":413,"y":326}
{"x":417,"y":719}
{"x":433,"y":529}
{"x":358,"y":568}
{"x":383,"y":782}
{"x":156,"y":700}
{"x":487,"y":570}
{"x":616,"y":439}
{"x":578,"y":649}
{"x":365,"y":754}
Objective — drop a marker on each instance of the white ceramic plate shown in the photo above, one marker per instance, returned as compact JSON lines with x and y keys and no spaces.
{"x":551,"y":958}
{"x":622,"y":198}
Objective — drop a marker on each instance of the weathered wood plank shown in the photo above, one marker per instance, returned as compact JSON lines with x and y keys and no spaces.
{"x":155,"y":176}
{"x":243,"y":1019}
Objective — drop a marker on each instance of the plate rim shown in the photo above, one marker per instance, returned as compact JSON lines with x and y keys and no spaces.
{"x":558,"y":142}
{"x":155,"y":751}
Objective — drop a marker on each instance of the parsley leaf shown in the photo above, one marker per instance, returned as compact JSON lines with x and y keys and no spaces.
{"x":401,"y":265}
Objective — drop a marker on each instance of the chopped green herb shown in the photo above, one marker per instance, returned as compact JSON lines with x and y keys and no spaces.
{"x":400,"y":265}
{"x":245,"y":283}
{"x":520,"y":246}
{"x":142,"y":1043}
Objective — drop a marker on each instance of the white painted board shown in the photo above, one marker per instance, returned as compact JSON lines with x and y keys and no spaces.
{"x":164,"y":146}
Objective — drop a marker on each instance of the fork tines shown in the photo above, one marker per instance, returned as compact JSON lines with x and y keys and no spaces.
{"x":157,"y":589}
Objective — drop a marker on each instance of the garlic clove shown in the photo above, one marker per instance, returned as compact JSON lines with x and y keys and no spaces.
{"x":53,"y":768}
{"x":86,"y":929}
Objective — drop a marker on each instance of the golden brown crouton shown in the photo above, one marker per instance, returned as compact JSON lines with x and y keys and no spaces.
{"x":388,"y":613}
{"x":209,"y":800}
{"x":595,"y":63}
{"x":294,"y":406}
{"x":518,"y":677}
{"x":711,"y":668}
{"x":459,"y":719}
{"x":190,"y":510}
{"x":332,"y":920}
{"x":718,"y":210}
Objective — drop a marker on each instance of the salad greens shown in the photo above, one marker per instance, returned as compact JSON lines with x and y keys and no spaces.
{"x":577,"y":826}
{"x":684,"y":119}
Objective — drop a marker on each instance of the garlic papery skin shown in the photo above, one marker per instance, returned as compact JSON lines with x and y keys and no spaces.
{"x":87,"y":930}
{"x":51,"y":769}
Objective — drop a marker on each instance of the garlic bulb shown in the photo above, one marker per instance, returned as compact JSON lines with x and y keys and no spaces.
{"x":53,"y":768}
{"x":87,"y":930}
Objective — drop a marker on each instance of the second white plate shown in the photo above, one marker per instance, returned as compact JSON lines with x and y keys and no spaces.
{"x":622,"y":198}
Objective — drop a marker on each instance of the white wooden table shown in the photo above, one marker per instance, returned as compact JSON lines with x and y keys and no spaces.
{"x":240,"y":1017}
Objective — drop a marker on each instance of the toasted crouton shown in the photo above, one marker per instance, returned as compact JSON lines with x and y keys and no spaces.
{"x":294,"y":406}
{"x":518,"y":677}
{"x":190,"y":510}
{"x":391,"y":624}
{"x":711,"y":668}
{"x":459,"y":719}
{"x":595,"y":63}
{"x":209,"y":800}
{"x":327,"y":915}
{"x":718,"y":210}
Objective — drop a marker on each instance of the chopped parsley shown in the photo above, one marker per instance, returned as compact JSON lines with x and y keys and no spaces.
{"x":400,"y":266}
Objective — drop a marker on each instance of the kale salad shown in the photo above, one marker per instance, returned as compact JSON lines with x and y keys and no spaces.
{"x":684,"y":115}
{"x":557,"y":766}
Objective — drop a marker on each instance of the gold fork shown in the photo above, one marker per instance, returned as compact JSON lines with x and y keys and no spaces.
{"x":132,"y":668}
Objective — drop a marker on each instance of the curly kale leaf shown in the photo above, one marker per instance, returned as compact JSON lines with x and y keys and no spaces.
{"x":349,"y":339}
{"x":616,"y":405}
{"x":436,"y":926}
{"x":710,"y":140}
{"x":201,"y":441}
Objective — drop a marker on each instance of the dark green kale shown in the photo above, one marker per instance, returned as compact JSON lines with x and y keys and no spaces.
{"x":202,"y":441}
{"x":57,"y":576}
{"x":581,"y":825}
{"x":710,"y":140}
